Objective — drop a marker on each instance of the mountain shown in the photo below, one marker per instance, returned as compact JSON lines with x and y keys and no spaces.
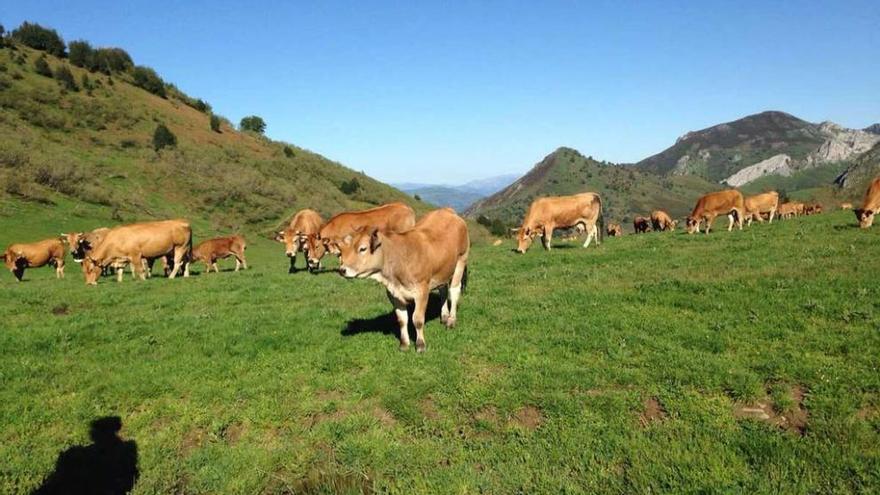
{"x":855,"y":179}
{"x":80,"y":143}
{"x":457,"y":197}
{"x":625,"y":191}
{"x":873,"y":129}
{"x":768,"y":143}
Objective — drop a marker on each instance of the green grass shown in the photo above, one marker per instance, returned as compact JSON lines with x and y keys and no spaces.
{"x":248,"y":382}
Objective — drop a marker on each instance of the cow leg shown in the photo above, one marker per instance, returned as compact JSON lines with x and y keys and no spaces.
{"x":739,"y":219}
{"x":120,"y":272}
{"x":547,"y":238}
{"x":709,"y":220}
{"x":592,"y":231}
{"x":59,"y":268}
{"x":243,"y":261}
{"x":292,"y":268}
{"x":215,"y":266}
{"x":402,"y":320}
{"x":444,"y":304}
{"x":138,"y":266}
{"x":731,"y":219}
{"x":419,"y":311}
{"x":455,"y":291}
{"x":237,"y":263}
{"x":179,"y":253}
{"x":772,"y":214}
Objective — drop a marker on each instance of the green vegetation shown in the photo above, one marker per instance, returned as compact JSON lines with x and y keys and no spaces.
{"x":163,"y":137}
{"x":42,"y":68}
{"x":253,"y":124}
{"x":147,"y":79}
{"x":350,"y":187}
{"x":600,"y":373}
{"x":40,"y":38}
{"x":65,"y":78}
{"x":215,"y":126}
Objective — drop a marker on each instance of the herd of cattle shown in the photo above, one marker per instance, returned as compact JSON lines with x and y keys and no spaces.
{"x":410,"y":258}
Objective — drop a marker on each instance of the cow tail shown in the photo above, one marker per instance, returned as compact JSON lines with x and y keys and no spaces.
{"x":464,"y":279}
{"x":601,"y":234}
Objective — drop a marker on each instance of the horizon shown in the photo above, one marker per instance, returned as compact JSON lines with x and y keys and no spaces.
{"x":424,"y":94}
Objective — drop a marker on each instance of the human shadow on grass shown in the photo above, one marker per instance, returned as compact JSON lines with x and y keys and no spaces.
{"x":107,"y":466}
{"x":387,"y":323}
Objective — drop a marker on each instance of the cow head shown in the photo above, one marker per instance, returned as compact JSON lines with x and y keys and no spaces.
{"x":91,"y":271}
{"x":315,"y":248}
{"x":292,"y":241}
{"x":361,"y":254}
{"x":525,"y":236}
{"x":77,"y":244}
{"x":672,"y":225}
{"x":693,"y":225}
{"x":865,"y":217}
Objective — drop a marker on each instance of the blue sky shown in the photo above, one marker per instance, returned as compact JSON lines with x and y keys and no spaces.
{"x":450,"y":91}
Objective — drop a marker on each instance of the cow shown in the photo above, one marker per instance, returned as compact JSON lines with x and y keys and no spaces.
{"x":132,"y":243}
{"x":813,"y":209}
{"x":614,"y":230}
{"x":846,"y":206}
{"x":305,"y":223}
{"x":391,"y":217}
{"x":756,"y":206}
{"x":870,"y":204}
{"x":661,"y":221}
{"x":431,"y":255}
{"x":50,"y":252}
{"x":80,"y":243}
{"x":641,"y":225}
{"x":709,"y":206}
{"x":583,"y":211}
{"x":799,"y":208}
{"x":211,"y":250}
{"x":787,"y":210}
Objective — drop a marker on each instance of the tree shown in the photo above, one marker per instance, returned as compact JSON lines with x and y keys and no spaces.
{"x":215,"y":123}
{"x":417,"y":197}
{"x":163,"y":137}
{"x":288,"y":152}
{"x":81,"y":53}
{"x":65,"y":78}
{"x":109,"y":60}
{"x":253,"y":123}
{"x":42,"y":67}
{"x":350,"y":187}
{"x":40,"y":38}
{"x":147,"y":79}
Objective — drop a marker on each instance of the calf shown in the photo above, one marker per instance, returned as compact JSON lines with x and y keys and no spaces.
{"x":661,"y":221}
{"x":17,"y":257}
{"x":305,"y":223}
{"x":433,"y":254}
{"x":756,"y":206}
{"x":641,"y":225}
{"x":208,"y":252}
{"x":709,"y":206}
{"x":614,"y":230}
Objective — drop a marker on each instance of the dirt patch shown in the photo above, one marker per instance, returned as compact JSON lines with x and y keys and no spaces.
{"x":61,"y":310}
{"x":793,"y":419}
{"x":384,"y":416}
{"x":233,"y":432}
{"x":528,"y":417}
{"x":487,"y":415}
{"x":193,"y":439}
{"x":868,"y":413}
{"x":429,"y":409}
{"x":323,"y":417}
{"x":652,"y":412}
{"x":328,"y":395}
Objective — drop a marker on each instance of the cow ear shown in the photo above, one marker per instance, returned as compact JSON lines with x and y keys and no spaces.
{"x":869,"y":212}
{"x":374,"y":240}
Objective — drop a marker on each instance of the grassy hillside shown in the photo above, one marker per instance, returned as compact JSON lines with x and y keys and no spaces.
{"x":625,"y":191}
{"x":90,"y":152}
{"x":667,"y":363}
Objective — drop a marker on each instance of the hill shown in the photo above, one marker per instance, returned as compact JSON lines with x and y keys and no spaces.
{"x":458,"y":197}
{"x":855,"y":179}
{"x":768,"y":143}
{"x":625,"y":191}
{"x":86,"y":148}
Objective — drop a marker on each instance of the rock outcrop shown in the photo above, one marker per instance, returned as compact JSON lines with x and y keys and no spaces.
{"x":775,"y":165}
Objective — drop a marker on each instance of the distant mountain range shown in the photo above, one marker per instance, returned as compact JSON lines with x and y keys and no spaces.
{"x":457,"y":197}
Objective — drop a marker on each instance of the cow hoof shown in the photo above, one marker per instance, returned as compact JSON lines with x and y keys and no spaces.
{"x":420,"y":346}
{"x":404,"y":347}
{"x":444,"y":319}
{"x":450,"y":322}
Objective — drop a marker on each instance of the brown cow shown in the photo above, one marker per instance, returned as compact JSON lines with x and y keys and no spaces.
{"x":756,"y":206}
{"x":305,"y":223}
{"x":870,"y":204}
{"x":132,"y":243}
{"x":799,"y":208}
{"x":641,"y":225}
{"x":661,"y":221}
{"x":411,"y":264}
{"x":80,"y":243}
{"x":709,"y":206}
{"x":582,"y":211}
{"x":34,"y":255}
{"x":614,"y":230}
{"x":846,"y":206}
{"x":787,"y":210}
{"x":813,"y":209}
{"x":208,"y":252}
{"x":391,"y":217}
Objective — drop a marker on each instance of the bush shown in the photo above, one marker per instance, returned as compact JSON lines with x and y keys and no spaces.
{"x":40,"y":38}
{"x":109,"y":60}
{"x":484,"y":221}
{"x":65,"y":78}
{"x":350,"y":187}
{"x":42,"y":67}
{"x":163,"y":137}
{"x":147,"y":79}
{"x":81,"y":53}
{"x":288,"y":152}
{"x":86,"y":83}
{"x":215,"y":123}
{"x":417,"y":197}
{"x":253,"y":123}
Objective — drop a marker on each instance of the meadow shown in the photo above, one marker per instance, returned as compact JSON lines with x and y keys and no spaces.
{"x":734,"y":362}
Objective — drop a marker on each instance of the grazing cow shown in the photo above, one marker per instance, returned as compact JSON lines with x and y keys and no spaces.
{"x":305,"y":223}
{"x":870,"y":204}
{"x":759,"y":204}
{"x":560,"y":212}
{"x":787,"y":210}
{"x":799,"y":208}
{"x":614,"y":230}
{"x":641,"y":225}
{"x":34,"y":255}
{"x":709,"y":206}
{"x":391,"y":217}
{"x":411,"y":264}
{"x":208,"y":252}
{"x":132,"y":243}
{"x":813,"y":209}
{"x":846,"y":206}
{"x":661,"y":221}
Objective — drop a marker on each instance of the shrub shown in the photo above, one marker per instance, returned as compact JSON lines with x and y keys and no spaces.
{"x":484,"y":221}
{"x":417,"y":197}
{"x":163,"y":137}
{"x":147,"y":79}
{"x":42,"y":67}
{"x":109,"y":60}
{"x":215,"y":123}
{"x":21,"y":59}
{"x":288,"y":152}
{"x":81,"y":53}
{"x":253,"y":123}
{"x":86,"y":83}
{"x":40,"y":38}
{"x":65,"y":78}
{"x":350,"y":187}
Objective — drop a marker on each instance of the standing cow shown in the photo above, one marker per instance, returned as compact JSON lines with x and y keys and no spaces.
{"x":211,"y":250}
{"x":870,"y":204}
{"x":709,"y":206}
{"x":560,"y":212}
{"x":662,"y":222}
{"x":17,"y":257}
{"x":756,"y":206}
{"x":391,"y":217}
{"x":305,"y":223}
{"x":641,"y":225}
{"x":411,"y":264}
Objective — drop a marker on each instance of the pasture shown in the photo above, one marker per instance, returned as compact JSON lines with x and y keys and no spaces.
{"x":734,"y":362}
